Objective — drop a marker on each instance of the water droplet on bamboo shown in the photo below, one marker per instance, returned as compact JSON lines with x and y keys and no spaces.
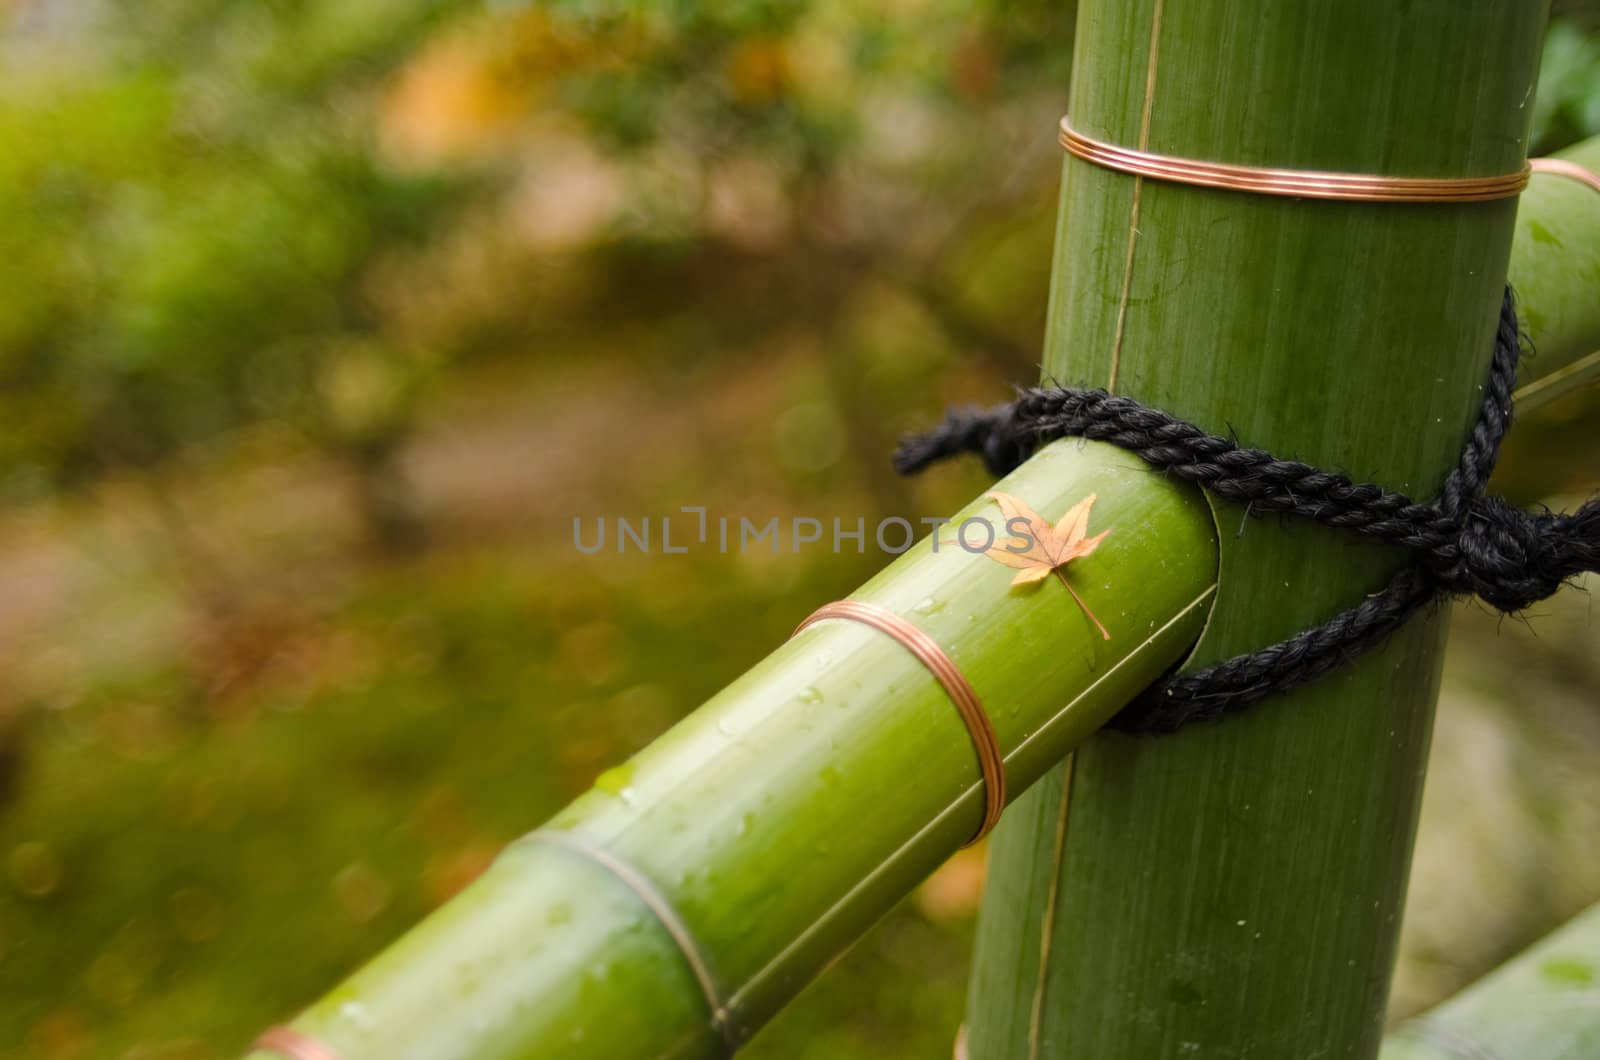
{"x":36,"y":868}
{"x":616,"y":781}
{"x":355,"y":1012}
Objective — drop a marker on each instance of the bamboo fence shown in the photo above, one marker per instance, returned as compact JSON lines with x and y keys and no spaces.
{"x":672,"y":910}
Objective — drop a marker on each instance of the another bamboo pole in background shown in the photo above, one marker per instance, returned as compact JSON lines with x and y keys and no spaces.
{"x":1542,"y":1005}
{"x":1556,"y":266}
{"x":1234,"y":890}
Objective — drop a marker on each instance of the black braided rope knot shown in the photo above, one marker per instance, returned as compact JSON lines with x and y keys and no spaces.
{"x":1462,"y":543}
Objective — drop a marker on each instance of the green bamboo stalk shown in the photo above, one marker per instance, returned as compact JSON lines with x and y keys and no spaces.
{"x":768,"y":831}
{"x":552,"y":954}
{"x":1234,"y":890}
{"x":1558,"y":266}
{"x":1542,"y":1005}
{"x":1555,"y":267}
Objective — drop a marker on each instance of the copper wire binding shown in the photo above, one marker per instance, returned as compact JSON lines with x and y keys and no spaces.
{"x":1560,"y":167}
{"x":991,"y":762}
{"x":1295,"y":183}
{"x":291,"y":1044}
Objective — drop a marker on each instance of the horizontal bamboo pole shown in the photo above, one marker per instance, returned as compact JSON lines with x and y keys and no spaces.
{"x":779,"y":820}
{"x":673,"y":909}
{"x":1541,"y":1005}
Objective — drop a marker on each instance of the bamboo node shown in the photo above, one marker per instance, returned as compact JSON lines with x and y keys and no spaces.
{"x":1293,"y":183}
{"x":667,"y":916}
{"x":991,"y":761}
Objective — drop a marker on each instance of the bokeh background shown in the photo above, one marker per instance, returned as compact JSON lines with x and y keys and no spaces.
{"x":321,"y":319}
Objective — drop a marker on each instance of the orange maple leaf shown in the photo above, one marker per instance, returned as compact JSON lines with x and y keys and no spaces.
{"x":1050,"y":548}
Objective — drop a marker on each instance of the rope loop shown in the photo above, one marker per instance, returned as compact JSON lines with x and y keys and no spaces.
{"x":1462,"y":543}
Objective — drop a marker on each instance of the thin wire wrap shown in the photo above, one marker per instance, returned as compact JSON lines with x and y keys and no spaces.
{"x":991,"y":762}
{"x":1293,"y":183}
{"x":1560,"y":167}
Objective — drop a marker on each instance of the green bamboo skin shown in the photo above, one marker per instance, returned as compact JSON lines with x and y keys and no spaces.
{"x":788,"y":813}
{"x":1555,"y":267}
{"x":1540,"y":1005}
{"x":1233,"y":891}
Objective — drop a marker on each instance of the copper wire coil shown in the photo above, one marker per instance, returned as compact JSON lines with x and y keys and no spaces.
{"x":291,"y":1044}
{"x":1296,"y":183}
{"x":991,"y":762}
{"x":1560,"y":167}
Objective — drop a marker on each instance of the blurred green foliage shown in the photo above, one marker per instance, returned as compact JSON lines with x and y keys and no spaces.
{"x":1567,"y":106}
{"x":459,"y":251}
{"x":206,"y":229}
{"x":210,"y":232}
{"x":196,"y":214}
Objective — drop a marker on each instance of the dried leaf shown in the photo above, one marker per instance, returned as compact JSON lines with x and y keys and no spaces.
{"x":1050,"y":548}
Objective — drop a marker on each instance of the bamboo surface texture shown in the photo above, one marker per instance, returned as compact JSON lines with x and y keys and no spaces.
{"x":1541,"y":1005}
{"x":1233,"y":891}
{"x":1555,"y":267}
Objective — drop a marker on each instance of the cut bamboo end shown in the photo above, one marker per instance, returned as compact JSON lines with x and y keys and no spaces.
{"x":991,"y":761}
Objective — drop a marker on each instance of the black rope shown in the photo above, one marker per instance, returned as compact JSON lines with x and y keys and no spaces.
{"x":1462,"y":543}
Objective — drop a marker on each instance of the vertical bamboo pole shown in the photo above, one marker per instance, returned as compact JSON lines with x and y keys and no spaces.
{"x":1233,"y":891}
